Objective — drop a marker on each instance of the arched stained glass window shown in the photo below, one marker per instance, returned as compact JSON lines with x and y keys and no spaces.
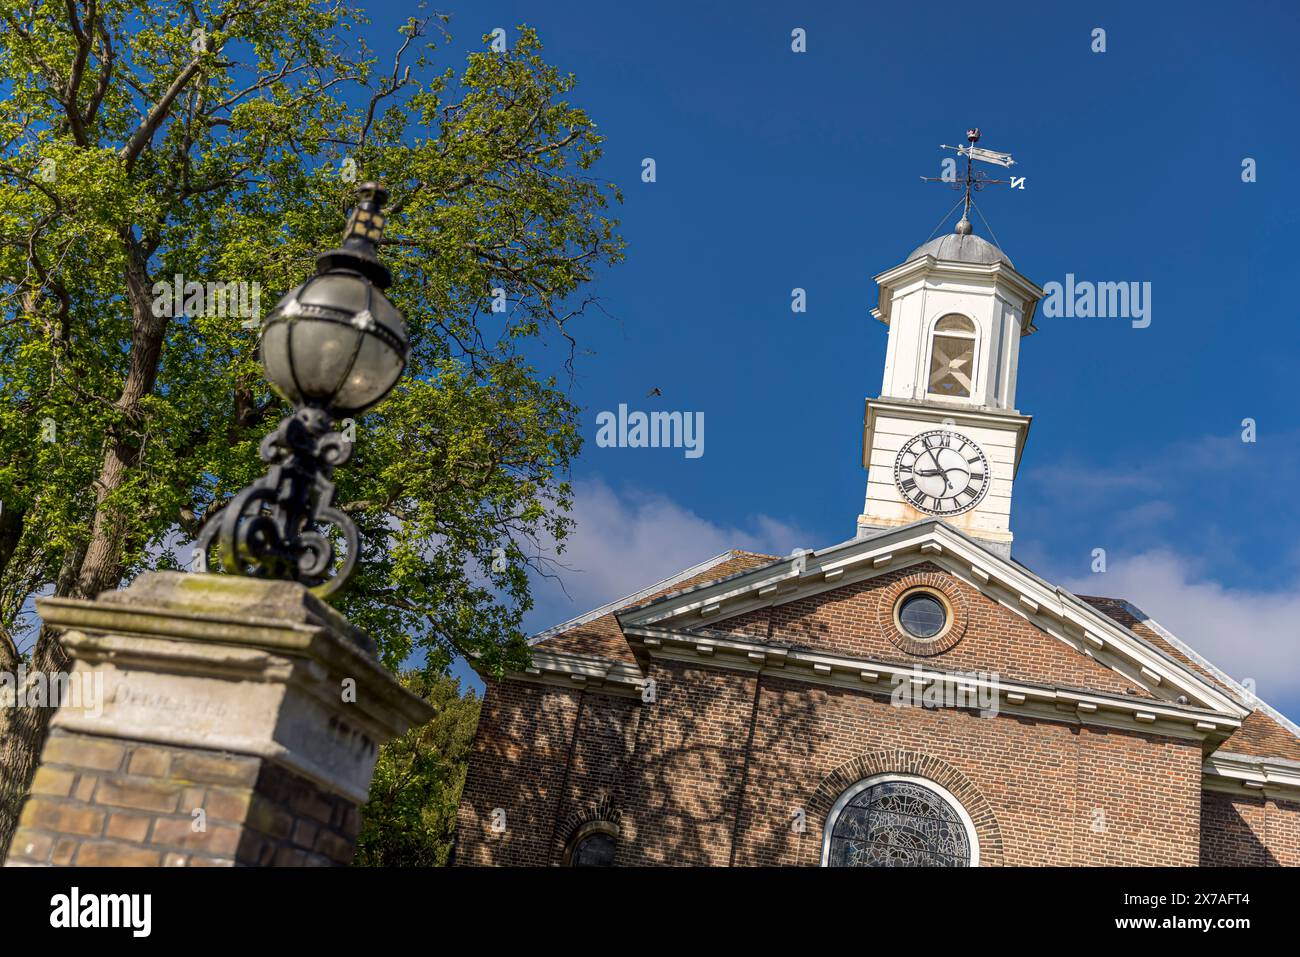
{"x":952,"y":357}
{"x":595,"y":844}
{"x":594,"y":850}
{"x":893,"y":821}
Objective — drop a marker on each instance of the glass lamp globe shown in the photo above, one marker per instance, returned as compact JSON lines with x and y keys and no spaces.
{"x":337,"y":342}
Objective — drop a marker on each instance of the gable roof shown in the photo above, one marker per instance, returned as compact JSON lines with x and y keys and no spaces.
{"x":1265,"y":732}
{"x":597,"y":632}
{"x":1109,"y":629}
{"x":1049,"y":607}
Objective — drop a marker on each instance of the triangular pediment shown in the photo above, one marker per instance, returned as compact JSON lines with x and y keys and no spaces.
{"x":1075,"y":649}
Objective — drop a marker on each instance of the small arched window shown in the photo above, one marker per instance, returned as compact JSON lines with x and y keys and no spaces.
{"x":594,"y":845}
{"x":899,"y":821}
{"x":952,"y":357}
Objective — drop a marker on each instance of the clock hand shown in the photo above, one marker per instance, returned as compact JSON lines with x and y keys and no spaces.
{"x":944,"y":473}
{"x":940,"y":470}
{"x":956,"y":468}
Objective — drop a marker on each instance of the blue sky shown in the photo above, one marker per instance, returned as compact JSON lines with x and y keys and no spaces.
{"x":778,"y":170}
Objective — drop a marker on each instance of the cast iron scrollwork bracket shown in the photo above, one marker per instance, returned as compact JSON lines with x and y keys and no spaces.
{"x":272,"y":528}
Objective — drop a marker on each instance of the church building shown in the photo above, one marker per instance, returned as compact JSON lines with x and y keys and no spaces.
{"x":913,"y":696}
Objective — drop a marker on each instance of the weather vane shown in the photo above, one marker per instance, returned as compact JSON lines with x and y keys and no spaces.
{"x":975,"y":179}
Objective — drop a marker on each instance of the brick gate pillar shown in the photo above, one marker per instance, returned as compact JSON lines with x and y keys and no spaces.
{"x":209,"y":720}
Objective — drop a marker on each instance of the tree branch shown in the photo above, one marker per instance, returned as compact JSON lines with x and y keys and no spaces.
{"x":136,"y":144}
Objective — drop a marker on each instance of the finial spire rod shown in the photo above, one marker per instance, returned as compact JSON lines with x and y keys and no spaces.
{"x":972,"y":137}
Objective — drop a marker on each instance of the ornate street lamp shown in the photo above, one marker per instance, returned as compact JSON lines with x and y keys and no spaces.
{"x":333,"y":347}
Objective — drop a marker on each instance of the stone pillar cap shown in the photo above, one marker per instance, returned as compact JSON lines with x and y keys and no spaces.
{"x":230,"y":641}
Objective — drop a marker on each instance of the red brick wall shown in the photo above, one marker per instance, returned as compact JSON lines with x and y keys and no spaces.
{"x":521,"y":750}
{"x":688,"y":780}
{"x":685,"y":780}
{"x":1284,"y":832}
{"x":1139,"y":799}
{"x":597,"y":775}
{"x":857,"y":620}
{"x":1041,"y":780}
{"x":1249,"y":831}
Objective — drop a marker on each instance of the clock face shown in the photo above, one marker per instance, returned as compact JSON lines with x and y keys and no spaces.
{"x":941,"y":473}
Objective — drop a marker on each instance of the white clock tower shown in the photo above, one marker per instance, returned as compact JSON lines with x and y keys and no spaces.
{"x":944,"y":438}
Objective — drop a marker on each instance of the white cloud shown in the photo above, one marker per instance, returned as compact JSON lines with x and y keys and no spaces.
{"x":1147,"y":513}
{"x":1247,"y":633}
{"x":628,"y":540}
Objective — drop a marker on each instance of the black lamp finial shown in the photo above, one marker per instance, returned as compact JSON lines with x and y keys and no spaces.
{"x":361,"y":238}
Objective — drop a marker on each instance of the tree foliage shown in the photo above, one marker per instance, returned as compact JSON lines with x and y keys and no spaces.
{"x":410,"y":818}
{"x":216,"y":140}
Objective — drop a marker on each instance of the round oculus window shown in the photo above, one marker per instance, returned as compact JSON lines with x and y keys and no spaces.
{"x":922,"y":615}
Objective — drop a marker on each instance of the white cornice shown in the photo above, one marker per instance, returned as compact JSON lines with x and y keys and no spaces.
{"x":582,"y":671}
{"x":926,"y":267}
{"x":1027,"y":699}
{"x":1054,"y":610}
{"x":1246,"y":774}
{"x":1238,"y":774}
{"x":971,"y":416}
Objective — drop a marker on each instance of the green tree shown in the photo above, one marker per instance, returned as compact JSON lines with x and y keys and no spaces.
{"x":218,"y":140}
{"x":410,"y":818}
